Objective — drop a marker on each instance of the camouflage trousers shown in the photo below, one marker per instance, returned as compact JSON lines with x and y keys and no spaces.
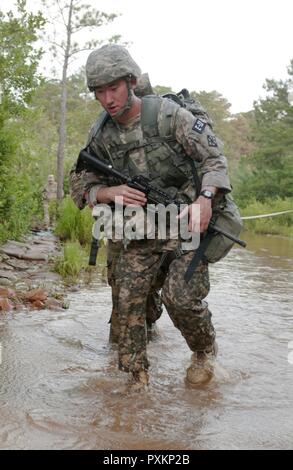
{"x":153,"y":304}
{"x":136,"y":270}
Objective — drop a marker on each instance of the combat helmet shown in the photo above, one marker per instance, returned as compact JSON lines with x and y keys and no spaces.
{"x":109,"y":63}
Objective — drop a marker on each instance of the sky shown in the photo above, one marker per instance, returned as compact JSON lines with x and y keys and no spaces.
{"x":224,"y":45}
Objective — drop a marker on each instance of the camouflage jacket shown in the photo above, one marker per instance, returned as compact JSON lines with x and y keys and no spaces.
{"x":161,"y":151}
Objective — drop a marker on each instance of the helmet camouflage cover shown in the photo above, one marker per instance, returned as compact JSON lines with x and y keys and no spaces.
{"x":143,"y":86}
{"x":109,"y":63}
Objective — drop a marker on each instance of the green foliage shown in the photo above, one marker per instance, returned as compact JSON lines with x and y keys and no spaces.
{"x":72,"y":262}
{"x":279,"y":225}
{"x":20,"y":186}
{"x":216,"y":105}
{"x":82,"y":111}
{"x":19,"y":196}
{"x":74,"y":224}
{"x":20,"y":200}
{"x":43,"y":120}
{"x":269,"y":168}
{"x":161,"y":90}
{"x":264,"y":183}
{"x":75,"y":228}
{"x":18,"y":58}
{"x":233,"y":130}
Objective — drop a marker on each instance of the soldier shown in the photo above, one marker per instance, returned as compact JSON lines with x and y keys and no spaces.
{"x":49,"y":194}
{"x":159,"y":139}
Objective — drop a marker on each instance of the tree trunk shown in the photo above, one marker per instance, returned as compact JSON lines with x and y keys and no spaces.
{"x":63,"y":102}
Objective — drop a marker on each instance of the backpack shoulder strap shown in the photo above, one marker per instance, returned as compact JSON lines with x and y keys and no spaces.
{"x":152,"y":105}
{"x":97,"y":126}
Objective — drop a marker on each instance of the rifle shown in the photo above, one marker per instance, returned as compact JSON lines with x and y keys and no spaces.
{"x":89,"y":162}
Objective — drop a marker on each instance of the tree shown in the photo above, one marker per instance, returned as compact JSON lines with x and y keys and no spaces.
{"x":274,"y":115}
{"x":42,"y":122}
{"x":18,"y":81}
{"x":216,"y":105}
{"x":73,"y":18}
{"x":271,"y":163}
{"x":18,"y":58}
{"x":238,"y":139}
{"x":233,"y":130}
{"x":161,"y":90}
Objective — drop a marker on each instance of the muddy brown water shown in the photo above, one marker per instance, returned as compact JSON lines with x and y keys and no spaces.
{"x":60,"y":388}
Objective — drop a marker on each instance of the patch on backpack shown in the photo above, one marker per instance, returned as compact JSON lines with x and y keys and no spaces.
{"x":212,"y":141}
{"x":199,"y":126}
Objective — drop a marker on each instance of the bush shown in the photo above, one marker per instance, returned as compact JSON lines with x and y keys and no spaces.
{"x":74,"y":224}
{"x":74,"y":259}
{"x":278,"y":225}
{"x":20,"y":193}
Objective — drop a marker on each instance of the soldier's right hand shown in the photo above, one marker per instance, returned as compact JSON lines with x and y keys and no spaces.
{"x":128,"y":195}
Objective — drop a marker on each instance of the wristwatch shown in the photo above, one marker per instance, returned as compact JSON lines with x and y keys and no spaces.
{"x":206,"y":193}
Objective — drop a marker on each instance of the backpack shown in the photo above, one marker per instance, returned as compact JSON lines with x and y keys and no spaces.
{"x":192,"y":105}
{"x":225,"y":212}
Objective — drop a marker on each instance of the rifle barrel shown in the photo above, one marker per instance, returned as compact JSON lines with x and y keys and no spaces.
{"x":86,"y":160}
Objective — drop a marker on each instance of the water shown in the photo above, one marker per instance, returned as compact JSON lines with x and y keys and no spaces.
{"x":60,"y":388}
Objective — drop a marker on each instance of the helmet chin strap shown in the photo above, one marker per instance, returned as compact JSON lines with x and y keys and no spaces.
{"x":129,"y":101}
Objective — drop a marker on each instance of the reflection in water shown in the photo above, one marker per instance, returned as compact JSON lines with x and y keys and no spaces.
{"x":60,"y":387}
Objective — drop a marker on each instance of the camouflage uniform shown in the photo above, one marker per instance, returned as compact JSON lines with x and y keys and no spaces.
{"x":162,"y":148}
{"x":137,"y":265}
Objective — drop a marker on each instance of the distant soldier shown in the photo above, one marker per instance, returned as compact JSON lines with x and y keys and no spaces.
{"x":49,"y":194}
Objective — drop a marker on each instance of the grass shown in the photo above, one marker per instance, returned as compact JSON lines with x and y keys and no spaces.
{"x":72,"y":262}
{"x":74,"y":228}
{"x":74,"y":224}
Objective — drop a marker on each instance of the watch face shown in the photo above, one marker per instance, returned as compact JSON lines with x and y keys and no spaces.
{"x":207,"y":193}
